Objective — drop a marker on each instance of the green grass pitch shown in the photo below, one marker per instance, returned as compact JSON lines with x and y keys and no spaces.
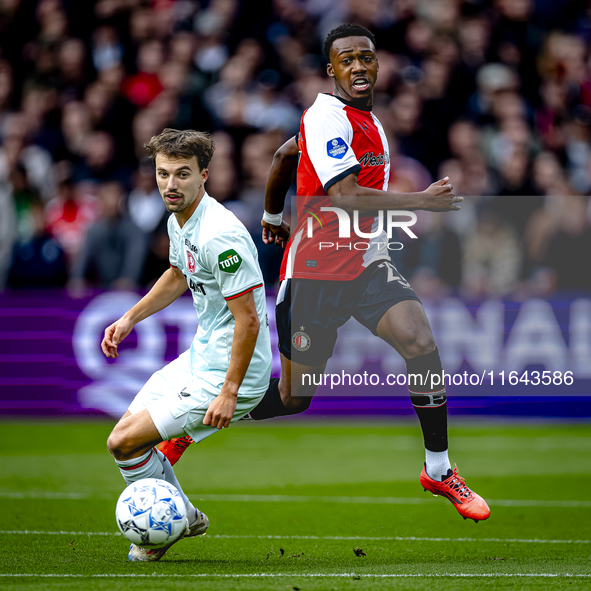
{"x":289,"y":502}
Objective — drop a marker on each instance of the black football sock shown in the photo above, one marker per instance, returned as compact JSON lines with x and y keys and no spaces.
{"x":271,"y":405}
{"x":430,"y":404}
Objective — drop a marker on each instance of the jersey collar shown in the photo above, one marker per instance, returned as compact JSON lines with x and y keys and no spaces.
{"x":352,"y":104}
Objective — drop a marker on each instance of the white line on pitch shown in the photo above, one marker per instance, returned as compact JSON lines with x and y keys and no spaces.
{"x":310,"y":575}
{"x":411,"y":539}
{"x":297,"y":499}
{"x":278,"y":537}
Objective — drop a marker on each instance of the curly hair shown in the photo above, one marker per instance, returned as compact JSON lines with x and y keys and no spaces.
{"x":347,"y":30}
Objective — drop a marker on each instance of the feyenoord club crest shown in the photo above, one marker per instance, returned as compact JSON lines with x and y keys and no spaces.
{"x":191,"y":262}
{"x":300,"y":340}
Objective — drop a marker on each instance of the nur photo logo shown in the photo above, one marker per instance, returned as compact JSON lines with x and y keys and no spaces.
{"x":384,"y":223}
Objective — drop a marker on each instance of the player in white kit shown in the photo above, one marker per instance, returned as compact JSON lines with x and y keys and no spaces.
{"x":226,"y":371}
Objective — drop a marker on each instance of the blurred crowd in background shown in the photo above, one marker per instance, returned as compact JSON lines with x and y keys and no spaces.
{"x":495,"y":94}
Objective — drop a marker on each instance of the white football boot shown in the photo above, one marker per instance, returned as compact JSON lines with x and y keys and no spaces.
{"x":197,"y":528}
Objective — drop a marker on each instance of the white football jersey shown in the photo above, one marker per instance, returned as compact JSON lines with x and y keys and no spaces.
{"x":218,"y":258}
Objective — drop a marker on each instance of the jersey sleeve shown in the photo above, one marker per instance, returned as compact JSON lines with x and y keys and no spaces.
{"x":328,"y":137}
{"x":233,"y":265}
{"x":172,"y":248}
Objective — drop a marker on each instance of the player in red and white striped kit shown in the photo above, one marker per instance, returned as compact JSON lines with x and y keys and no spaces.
{"x":327,"y":276}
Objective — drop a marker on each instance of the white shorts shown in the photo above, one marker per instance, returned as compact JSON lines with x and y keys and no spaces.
{"x":177,"y":401}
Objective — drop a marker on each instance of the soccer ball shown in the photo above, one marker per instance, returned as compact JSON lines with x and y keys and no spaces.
{"x":151,"y":513}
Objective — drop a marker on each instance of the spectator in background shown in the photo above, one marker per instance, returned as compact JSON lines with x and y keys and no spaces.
{"x":492,"y":81}
{"x":6,"y":91}
{"x":407,"y":175}
{"x":509,"y":131}
{"x":26,"y":201}
{"x":473,"y":34}
{"x":226,"y":99}
{"x":463,"y":139}
{"x":578,"y":149}
{"x":460,"y":224}
{"x":110,"y":112}
{"x":107,"y":49}
{"x":572,"y":242}
{"x":157,"y":260}
{"x":435,"y":257}
{"x":406,"y":124}
{"x":267,"y":110}
{"x":256,"y":157}
{"x":16,"y":148}
{"x":7,"y":231}
{"x":37,"y":103}
{"x":144,"y":86}
{"x":114,"y":251}
{"x":551,"y":113}
{"x":439,"y":108}
{"x":76,"y":127}
{"x":99,"y":162}
{"x":73,"y":70}
{"x":39,"y":261}
{"x":212,"y":25}
{"x":491,"y":261}
{"x":146,"y":210}
{"x":143,"y":126}
{"x":548,"y":175}
{"x":69,"y":215}
{"x":223,"y":176}
{"x":144,"y":204}
{"x":515,"y":174}
{"x":517,"y":199}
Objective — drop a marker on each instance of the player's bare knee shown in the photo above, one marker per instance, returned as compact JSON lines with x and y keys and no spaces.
{"x":422,"y":344}
{"x":113,"y":445}
{"x":119,"y":446}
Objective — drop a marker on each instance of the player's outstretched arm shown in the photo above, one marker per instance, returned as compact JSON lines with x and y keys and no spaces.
{"x":221,"y":410}
{"x":348,"y":195}
{"x":165,"y":291}
{"x":283,"y":168}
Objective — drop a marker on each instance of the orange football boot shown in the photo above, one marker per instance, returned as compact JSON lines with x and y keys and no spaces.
{"x":173,"y":449}
{"x":468,"y":504}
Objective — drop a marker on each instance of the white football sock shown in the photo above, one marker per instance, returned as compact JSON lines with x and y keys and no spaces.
{"x":146,"y":466}
{"x":437,"y":464}
{"x":153,"y":464}
{"x":170,"y":477}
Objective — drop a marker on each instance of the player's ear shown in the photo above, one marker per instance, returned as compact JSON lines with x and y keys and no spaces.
{"x":329,"y":70}
{"x":205,"y":174}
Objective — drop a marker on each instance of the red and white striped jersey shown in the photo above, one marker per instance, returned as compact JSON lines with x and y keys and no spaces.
{"x":335,"y":141}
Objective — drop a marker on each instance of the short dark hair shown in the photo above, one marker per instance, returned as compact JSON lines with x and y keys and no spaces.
{"x":346,"y":30}
{"x":182,"y":144}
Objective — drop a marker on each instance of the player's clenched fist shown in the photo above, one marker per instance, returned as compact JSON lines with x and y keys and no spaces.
{"x":114,"y":334}
{"x":440,"y":197}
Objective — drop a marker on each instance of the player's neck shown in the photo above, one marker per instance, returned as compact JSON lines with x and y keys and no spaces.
{"x":182,"y":217}
{"x":363,"y":104}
